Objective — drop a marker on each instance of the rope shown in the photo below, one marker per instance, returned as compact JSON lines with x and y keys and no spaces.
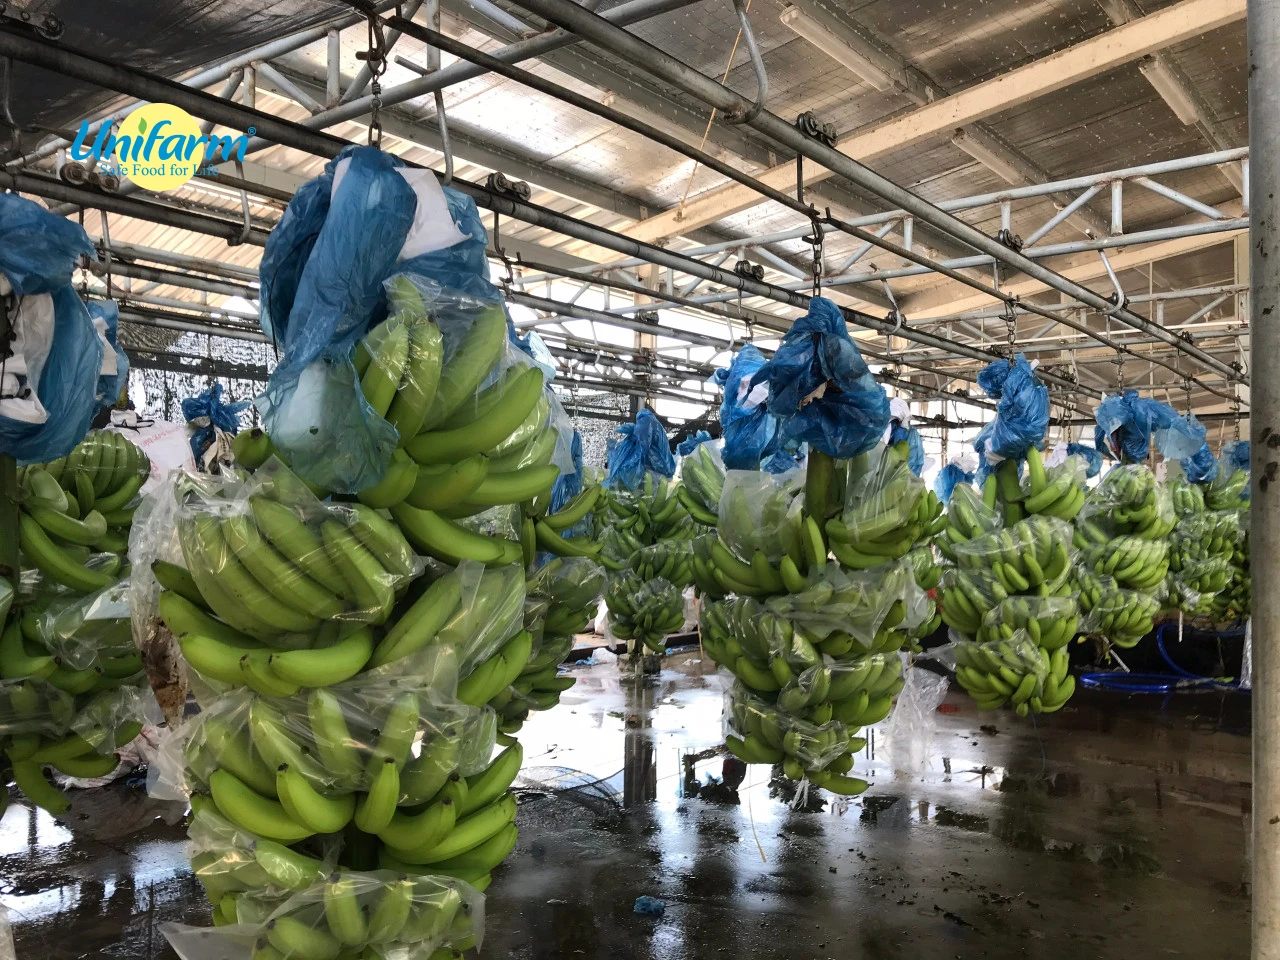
{"x":702,"y":144}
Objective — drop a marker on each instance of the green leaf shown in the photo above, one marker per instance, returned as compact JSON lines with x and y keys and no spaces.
{"x":142,"y":125}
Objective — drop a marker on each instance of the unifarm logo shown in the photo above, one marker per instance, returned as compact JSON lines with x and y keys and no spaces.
{"x":158,"y":147}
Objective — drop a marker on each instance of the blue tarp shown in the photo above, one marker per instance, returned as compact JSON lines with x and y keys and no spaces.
{"x":817,"y":352}
{"x":642,"y":448}
{"x":38,"y":251}
{"x":1235,"y":456}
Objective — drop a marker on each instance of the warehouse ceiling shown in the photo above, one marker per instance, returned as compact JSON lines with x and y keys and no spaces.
{"x":585,"y":166}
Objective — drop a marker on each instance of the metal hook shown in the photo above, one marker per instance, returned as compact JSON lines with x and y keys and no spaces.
{"x":106,"y":250}
{"x":244,"y":209}
{"x":1121,"y":301}
{"x":445,"y":146}
{"x":757,"y":64}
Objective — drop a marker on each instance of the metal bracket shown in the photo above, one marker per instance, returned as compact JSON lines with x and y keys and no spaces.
{"x":647,"y":316}
{"x":499,"y":183}
{"x":244,"y":210}
{"x":748,"y":270}
{"x":49,"y":26}
{"x":445,"y":146}
{"x":757,"y":64}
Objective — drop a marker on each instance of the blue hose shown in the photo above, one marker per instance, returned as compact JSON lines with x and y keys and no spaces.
{"x":1186,"y":675}
{"x":1122,"y":682}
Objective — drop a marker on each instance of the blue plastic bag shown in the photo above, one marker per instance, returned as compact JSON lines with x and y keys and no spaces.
{"x":692,"y":442}
{"x":1022,"y":412}
{"x":1092,"y":457}
{"x":852,"y":413}
{"x":947,"y":478}
{"x":748,"y":429}
{"x":915,"y":446}
{"x":38,"y":251}
{"x":642,"y":448}
{"x":1235,"y":456}
{"x":1202,"y":466}
{"x":780,"y":461}
{"x":568,"y":485}
{"x":322,"y":274}
{"x":1128,"y":423}
{"x":531,"y":345}
{"x":208,"y":405}
{"x":110,"y":387}
{"x":68,"y":387}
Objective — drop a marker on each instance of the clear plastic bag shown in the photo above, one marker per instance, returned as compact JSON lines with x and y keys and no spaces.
{"x":1204,"y":536}
{"x":760,"y":729}
{"x":909,"y":732}
{"x":702,"y":475}
{"x":1230,"y":491}
{"x":87,"y":630}
{"x":1033,"y":553}
{"x":1135,"y":564}
{"x":858,"y":604}
{"x":1187,"y":497}
{"x":272,"y":561}
{"x":761,"y":511}
{"x":1128,"y":500}
{"x":841,"y":685}
{"x":335,"y":738}
{"x":1010,"y":670}
{"x":1122,"y":616}
{"x":1049,"y":622}
{"x":881,"y":493}
{"x":349,"y":909}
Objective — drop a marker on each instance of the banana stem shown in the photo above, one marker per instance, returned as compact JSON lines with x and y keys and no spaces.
{"x":817,"y":485}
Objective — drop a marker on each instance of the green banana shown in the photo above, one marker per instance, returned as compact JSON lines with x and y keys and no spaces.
{"x":309,"y":807}
{"x":487,"y":431}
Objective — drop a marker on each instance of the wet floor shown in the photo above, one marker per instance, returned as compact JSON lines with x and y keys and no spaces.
{"x":1115,"y":829}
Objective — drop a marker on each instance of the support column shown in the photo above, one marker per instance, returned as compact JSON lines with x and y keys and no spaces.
{"x":1264,"y":305}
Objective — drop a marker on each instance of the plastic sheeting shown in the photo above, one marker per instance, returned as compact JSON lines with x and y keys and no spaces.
{"x":1235,"y":456}
{"x":1022,"y":411}
{"x":821,"y":389}
{"x":915,"y":446}
{"x":643,"y":448}
{"x":38,"y":251}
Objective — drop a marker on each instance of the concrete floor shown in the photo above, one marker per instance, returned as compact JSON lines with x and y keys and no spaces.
{"x":1116,"y":829}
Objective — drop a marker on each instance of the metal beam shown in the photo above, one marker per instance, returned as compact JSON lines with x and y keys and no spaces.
{"x":1124,"y":44}
{"x":1264,"y":432}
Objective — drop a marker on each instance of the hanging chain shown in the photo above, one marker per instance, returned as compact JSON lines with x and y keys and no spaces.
{"x":1011,"y":324}
{"x":816,"y":240}
{"x":1235,"y":407}
{"x":376,"y":59}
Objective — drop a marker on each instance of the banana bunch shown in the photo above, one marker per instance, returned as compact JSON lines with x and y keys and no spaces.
{"x":1017,"y":672}
{"x":1201,"y":548}
{"x":573,"y":588}
{"x":925,"y":567}
{"x":1032,"y":556}
{"x":549,"y":530}
{"x":759,"y":732}
{"x":1049,"y":622}
{"x":651,"y":513}
{"x":1122,"y":616}
{"x":644,"y":610}
{"x":670,"y":560}
{"x":538,"y":687}
{"x":968,"y":516}
{"x":1061,"y":495}
{"x":78,"y":506}
{"x":927,"y":626}
{"x":1233,"y":602}
{"x":1136,"y":564}
{"x":701,"y":483}
{"x":704,"y":579}
{"x":856,"y":692}
{"x":892,"y":513}
{"x":1227,"y":493}
{"x":271,"y":568}
{"x":1187,"y":497}
{"x":762,"y":514}
{"x":1129,"y":501}
{"x":850,"y":613}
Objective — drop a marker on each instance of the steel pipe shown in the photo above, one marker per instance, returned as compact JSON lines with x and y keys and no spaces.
{"x":171,"y":278}
{"x":651,"y":59}
{"x":135,"y":251}
{"x":127,"y":206}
